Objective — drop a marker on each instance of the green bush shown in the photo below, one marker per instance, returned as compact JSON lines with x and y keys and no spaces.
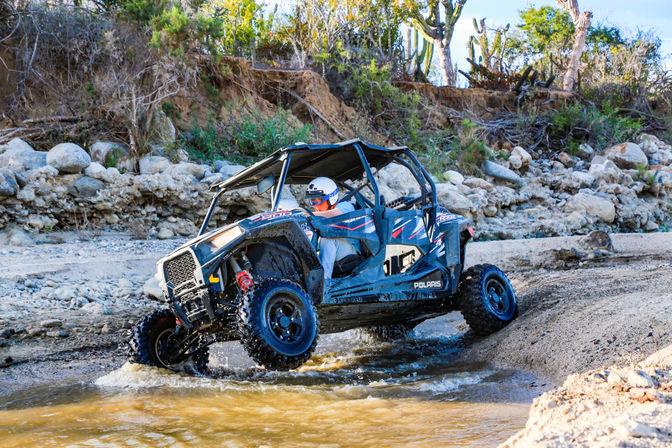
{"x":600,"y":126}
{"x":467,"y":153}
{"x":258,"y":136}
{"x":245,"y":140}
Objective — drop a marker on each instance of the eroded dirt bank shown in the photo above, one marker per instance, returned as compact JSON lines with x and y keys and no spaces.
{"x":575,"y":314}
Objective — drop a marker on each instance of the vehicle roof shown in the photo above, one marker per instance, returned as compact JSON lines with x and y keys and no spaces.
{"x":338,"y":161}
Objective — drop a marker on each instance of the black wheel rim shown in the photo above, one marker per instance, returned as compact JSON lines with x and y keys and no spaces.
{"x":285,"y":318}
{"x":162,"y":346}
{"x":498,"y":297}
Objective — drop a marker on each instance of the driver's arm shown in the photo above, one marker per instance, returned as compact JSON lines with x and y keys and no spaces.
{"x":329,"y":213}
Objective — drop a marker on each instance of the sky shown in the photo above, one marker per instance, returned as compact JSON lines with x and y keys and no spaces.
{"x":628,"y":15}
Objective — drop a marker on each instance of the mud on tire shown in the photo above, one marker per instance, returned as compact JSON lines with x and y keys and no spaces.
{"x":278,"y":324}
{"x":486,"y":299}
{"x":150,"y":340}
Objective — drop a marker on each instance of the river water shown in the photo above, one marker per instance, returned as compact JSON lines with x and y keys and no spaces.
{"x":352,"y":393}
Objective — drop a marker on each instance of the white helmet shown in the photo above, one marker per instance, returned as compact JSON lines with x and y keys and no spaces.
{"x":324,"y":189}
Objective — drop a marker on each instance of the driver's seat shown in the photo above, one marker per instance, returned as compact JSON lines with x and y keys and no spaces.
{"x":347,"y":264}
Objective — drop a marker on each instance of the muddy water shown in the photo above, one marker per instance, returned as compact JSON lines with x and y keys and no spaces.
{"x":353,"y":393}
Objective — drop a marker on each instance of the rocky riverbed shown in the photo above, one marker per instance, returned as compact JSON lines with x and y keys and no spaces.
{"x":624,"y":188}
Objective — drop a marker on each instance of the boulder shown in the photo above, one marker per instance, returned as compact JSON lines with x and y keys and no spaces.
{"x":8,"y":184}
{"x":20,"y":156}
{"x":165,"y":233}
{"x":515,"y":162}
{"x":661,"y":157}
{"x":650,"y":143}
{"x":499,"y":172}
{"x":17,"y":237}
{"x":448,"y":196}
{"x":592,"y":204}
{"x":186,"y":169}
{"x":524,"y":156}
{"x":626,"y":155}
{"x":163,"y":130}
{"x":585,"y":151}
{"x":566,"y":159}
{"x":68,"y":158}
{"x":15,"y":144}
{"x":582,"y":178}
{"x":107,"y":153}
{"x":153,"y":164}
{"x":597,"y":239}
{"x":477,"y":182}
{"x":86,"y":187}
{"x":230,"y":170}
{"x":453,"y":177}
{"x":602,"y":168}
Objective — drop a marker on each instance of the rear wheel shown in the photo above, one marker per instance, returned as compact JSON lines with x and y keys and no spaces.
{"x":278,"y":325}
{"x":153,"y":343}
{"x":486,"y":299}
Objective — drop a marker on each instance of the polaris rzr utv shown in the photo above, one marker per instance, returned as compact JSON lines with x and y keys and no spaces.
{"x":260,"y":280}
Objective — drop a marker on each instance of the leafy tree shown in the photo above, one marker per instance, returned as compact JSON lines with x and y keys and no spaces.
{"x":241,"y":20}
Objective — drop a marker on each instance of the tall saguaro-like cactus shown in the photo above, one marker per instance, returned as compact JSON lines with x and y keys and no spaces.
{"x":492,"y":55}
{"x":437,"y":31}
{"x":420,"y":59}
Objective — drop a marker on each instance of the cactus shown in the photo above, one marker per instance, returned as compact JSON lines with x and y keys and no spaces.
{"x":421,"y":58}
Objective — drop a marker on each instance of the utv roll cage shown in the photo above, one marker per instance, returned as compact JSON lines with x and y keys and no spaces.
{"x":301,"y":162}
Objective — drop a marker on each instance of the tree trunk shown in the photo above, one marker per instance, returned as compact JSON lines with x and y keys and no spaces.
{"x":582,"y":23}
{"x":577,"y":50}
{"x":446,"y":63}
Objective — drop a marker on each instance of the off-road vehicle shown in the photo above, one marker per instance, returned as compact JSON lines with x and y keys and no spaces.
{"x":260,"y":280}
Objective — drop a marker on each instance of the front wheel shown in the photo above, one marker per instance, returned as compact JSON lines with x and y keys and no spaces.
{"x":486,"y":299}
{"x":153,"y":343}
{"x":278,"y":325}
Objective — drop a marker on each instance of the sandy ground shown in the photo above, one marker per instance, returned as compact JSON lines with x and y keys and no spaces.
{"x":574,"y":315}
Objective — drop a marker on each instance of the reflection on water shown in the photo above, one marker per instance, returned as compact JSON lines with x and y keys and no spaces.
{"x":349,"y":394}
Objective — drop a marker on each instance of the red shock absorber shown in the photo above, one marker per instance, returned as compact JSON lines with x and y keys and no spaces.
{"x":244,"y":281}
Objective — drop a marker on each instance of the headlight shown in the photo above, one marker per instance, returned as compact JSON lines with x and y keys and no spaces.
{"x":222,"y":239}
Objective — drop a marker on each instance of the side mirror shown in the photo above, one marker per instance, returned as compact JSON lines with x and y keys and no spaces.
{"x":265,"y":184}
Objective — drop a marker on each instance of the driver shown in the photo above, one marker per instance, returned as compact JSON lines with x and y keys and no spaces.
{"x":323,"y":195}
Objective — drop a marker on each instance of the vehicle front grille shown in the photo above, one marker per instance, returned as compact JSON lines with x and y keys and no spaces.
{"x":180,"y":269}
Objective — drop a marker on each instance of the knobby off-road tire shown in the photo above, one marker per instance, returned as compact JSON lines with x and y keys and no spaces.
{"x":150,"y":343}
{"x":486,"y":299}
{"x":278,"y":324}
{"x":389,"y":333}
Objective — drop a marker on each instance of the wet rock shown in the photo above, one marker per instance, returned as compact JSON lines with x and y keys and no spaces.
{"x":6,"y":333}
{"x":51,"y":323}
{"x":593,"y":205}
{"x":500,"y":172}
{"x":626,"y":155}
{"x":597,"y":239}
{"x":35,"y":331}
{"x":153,"y":164}
{"x":86,"y":187}
{"x":68,"y":158}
